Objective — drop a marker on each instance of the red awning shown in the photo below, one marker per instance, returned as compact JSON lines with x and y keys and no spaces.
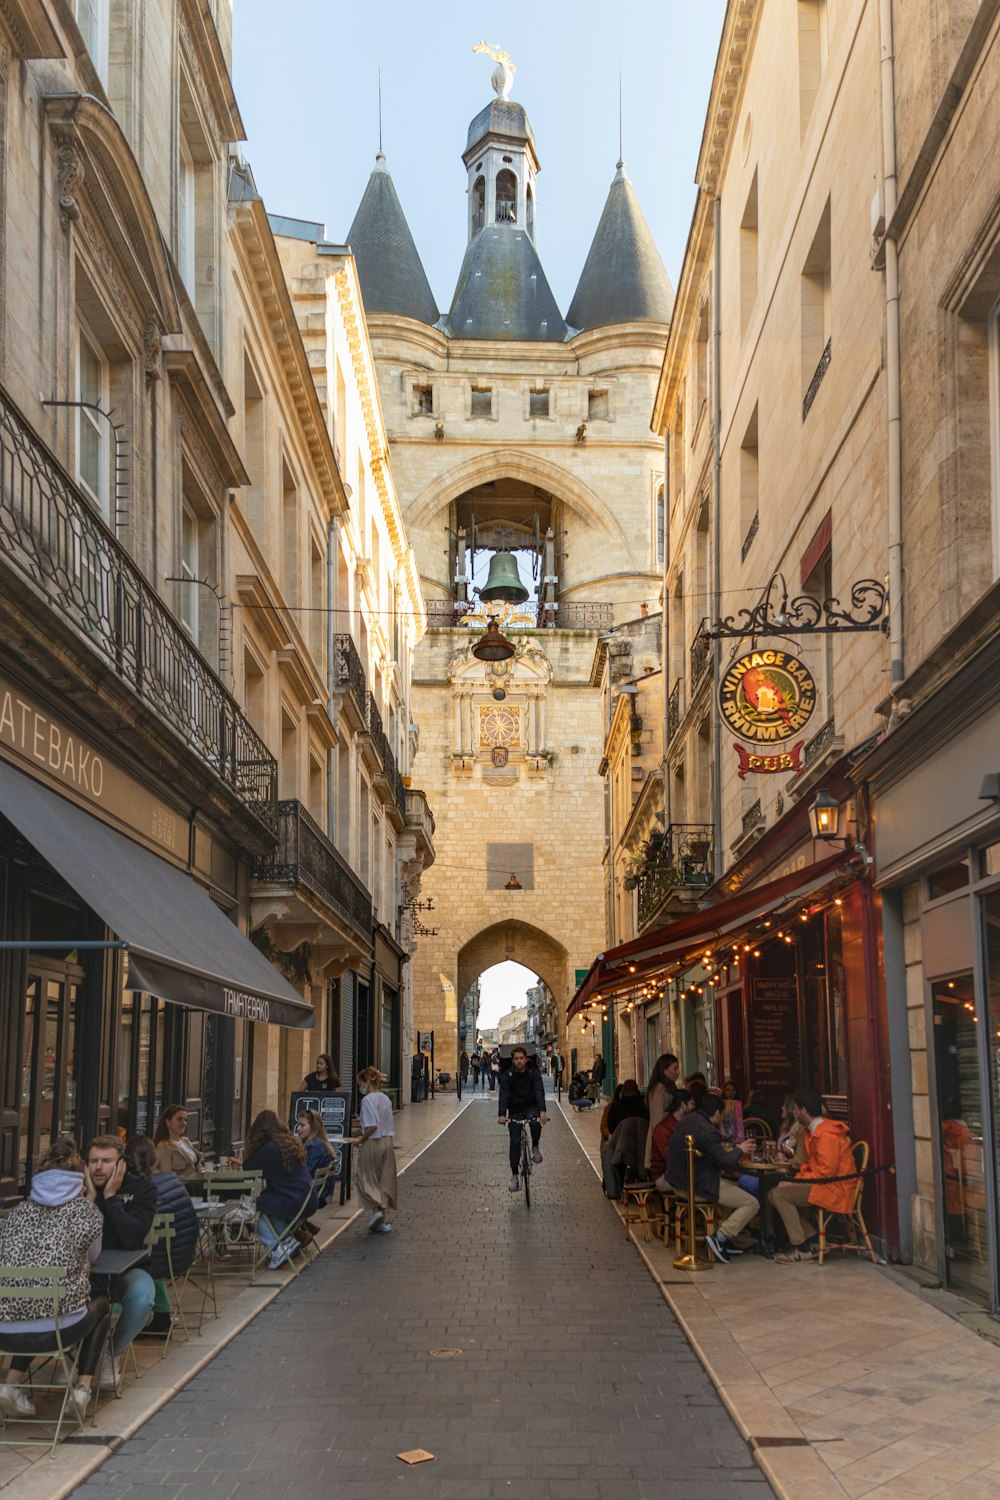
{"x":688,"y":936}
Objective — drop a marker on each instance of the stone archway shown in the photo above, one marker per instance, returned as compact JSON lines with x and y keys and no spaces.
{"x":519,"y":942}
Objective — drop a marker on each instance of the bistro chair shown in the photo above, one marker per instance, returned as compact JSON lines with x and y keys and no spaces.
{"x":289,"y":1230}
{"x":239,"y":1191}
{"x":43,"y":1283}
{"x":640,"y":1204}
{"x":756,"y":1130}
{"x":855,"y":1218}
{"x":708,"y":1213}
{"x":162,"y":1232}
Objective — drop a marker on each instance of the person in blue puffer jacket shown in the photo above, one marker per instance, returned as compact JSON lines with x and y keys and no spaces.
{"x":172,"y":1197}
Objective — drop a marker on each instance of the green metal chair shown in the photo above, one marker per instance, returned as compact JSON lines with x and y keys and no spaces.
{"x":233,"y":1187}
{"x":315,"y":1187}
{"x":162,"y":1232}
{"x":40,"y":1284}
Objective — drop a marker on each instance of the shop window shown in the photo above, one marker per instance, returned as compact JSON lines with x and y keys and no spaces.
{"x":954,"y":877}
{"x":960,"y":1134}
{"x":748,"y":257}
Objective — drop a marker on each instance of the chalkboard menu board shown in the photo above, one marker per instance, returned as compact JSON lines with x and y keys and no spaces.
{"x":774,"y":1034}
{"x":334,"y":1109}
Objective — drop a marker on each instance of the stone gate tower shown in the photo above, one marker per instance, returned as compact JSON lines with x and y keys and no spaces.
{"x":514,"y":429}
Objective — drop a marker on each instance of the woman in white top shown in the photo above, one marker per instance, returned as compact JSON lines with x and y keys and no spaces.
{"x":376,"y":1179}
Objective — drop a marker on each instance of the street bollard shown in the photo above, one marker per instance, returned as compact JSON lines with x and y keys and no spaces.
{"x":690,"y":1261}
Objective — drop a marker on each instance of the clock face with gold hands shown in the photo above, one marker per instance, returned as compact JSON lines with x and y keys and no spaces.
{"x":498,"y":726}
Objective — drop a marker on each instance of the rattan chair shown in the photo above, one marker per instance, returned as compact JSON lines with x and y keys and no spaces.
{"x":638,"y":1206}
{"x":43,"y":1283}
{"x":756,"y":1130}
{"x":854,"y":1218}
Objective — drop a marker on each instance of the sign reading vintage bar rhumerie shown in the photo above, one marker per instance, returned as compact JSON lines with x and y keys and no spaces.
{"x":767,"y":697}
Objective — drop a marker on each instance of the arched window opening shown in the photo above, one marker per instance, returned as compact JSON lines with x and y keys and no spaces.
{"x":478,"y":204}
{"x":506,"y":198}
{"x":530,"y":213}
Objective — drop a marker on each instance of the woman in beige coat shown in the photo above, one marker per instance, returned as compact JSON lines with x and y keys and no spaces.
{"x":174,"y":1152}
{"x":376,"y":1179}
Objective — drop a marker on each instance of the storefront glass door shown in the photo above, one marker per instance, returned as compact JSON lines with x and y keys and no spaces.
{"x":961,"y":1132}
{"x":49,"y":1061}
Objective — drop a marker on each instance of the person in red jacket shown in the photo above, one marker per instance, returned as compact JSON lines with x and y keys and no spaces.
{"x":828,"y":1154}
{"x":679,"y":1104}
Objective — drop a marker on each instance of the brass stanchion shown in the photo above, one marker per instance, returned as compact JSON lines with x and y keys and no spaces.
{"x":690,"y":1261}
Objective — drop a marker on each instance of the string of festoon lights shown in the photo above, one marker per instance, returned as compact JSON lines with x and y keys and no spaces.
{"x":715,"y":962}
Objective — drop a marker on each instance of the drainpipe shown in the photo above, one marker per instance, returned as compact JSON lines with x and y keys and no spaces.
{"x":331,"y":628}
{"x":665,"y":627}
{"x":716,"y":528}
{"x":894,"y":495}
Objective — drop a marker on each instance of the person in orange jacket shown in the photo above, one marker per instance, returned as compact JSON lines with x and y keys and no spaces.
{"x":828,"y":1154}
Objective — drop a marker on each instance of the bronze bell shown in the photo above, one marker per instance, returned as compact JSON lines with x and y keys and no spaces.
{"x":504,"y":581}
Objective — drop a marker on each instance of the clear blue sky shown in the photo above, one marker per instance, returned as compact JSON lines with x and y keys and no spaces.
{"x":308,"y":93}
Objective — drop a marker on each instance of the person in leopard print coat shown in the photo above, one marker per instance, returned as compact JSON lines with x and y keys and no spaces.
{"x":57,"y":1225}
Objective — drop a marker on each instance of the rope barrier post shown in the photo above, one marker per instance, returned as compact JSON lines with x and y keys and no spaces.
{"x":690,"y":1261}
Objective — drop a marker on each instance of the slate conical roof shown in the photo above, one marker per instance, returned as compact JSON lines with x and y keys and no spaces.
{"x":624,"y":280}
{"x":502,"y":292}
{"x":390,"y":271}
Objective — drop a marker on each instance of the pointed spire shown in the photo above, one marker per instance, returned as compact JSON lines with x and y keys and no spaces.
{"x":624,"y":280}
{"x":390,"y":270}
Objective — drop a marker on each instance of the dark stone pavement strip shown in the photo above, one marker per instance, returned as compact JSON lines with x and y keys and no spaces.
{"x":574,"y":1381}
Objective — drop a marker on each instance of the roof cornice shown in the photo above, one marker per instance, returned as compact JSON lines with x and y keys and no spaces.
{"x":727,"y":84}
{"x":261,"y":254}
{"x":686,"y":307}
{"x":199,"y":29}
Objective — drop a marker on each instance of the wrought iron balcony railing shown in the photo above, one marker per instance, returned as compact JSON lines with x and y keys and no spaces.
{"x":817,"y":380}
{"x":348,"y":671}
{"x":532,"y":615}
{"x":306,"y":858}
{"x":683,"y":861}
{"x":701,"y":652}
{"x":674,"y":710}
{"x":377,"y":729}
{"x":52,"y":536}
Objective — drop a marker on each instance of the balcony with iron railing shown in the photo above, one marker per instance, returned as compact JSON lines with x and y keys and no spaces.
{"x":674,"y":710}
{"x":306,"y":861}
{"x":349,"y":677}
{"x":52,"y":537}
{"x":531,"y":615}
{"x":678,"y":867}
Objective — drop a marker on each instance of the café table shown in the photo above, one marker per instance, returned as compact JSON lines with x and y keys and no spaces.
{"x":117,"y":1262}
{"x":768,"y":1175}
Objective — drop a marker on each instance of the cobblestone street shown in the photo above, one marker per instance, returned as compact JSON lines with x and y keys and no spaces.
{"x":570,"y":1380}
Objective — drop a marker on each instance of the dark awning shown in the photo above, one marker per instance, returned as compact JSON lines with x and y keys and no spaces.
{"x":181,"y":947}
{"x":682,"y":940}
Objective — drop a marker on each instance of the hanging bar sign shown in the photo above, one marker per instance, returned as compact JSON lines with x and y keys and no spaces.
{"x":767,"y":696}
{"x":752,"y":763}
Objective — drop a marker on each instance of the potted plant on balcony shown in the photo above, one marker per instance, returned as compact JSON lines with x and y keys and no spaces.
{"x":635,"y":866}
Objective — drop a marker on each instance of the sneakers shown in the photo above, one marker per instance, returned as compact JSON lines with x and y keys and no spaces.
{"x":15,"y":1402}
{"x":111,"y":1374}
{"x":80,"y":1397}
{"x":375,"y":1219}
{"x":282,"y":1252}
{"x":384,"y":1228}
{"x":536,"y":1156}
{"x":514,"y":1184}
{"x":718,"y":1246}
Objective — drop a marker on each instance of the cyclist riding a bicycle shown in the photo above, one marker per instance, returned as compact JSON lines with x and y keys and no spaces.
{"x":522,"y":1097}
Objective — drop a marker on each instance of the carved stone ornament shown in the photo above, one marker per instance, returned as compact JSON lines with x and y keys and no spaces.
{"x":69,"y":168}
{"x":151,"y":349}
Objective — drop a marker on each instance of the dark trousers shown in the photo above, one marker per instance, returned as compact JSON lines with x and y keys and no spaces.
{"x":91,"y":1333}
{"x":514,"y":1127}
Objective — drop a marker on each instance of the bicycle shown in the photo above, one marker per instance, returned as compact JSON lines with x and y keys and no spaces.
{"x":524,"y":1168}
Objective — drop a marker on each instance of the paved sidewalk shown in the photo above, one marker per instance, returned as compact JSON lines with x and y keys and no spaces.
{"x":30,"y":1474}
{"x":846,"y":1383}
{"x":562,"y":1374}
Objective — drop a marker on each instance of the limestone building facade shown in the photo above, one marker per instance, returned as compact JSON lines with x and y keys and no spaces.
{"x":516,"y":433}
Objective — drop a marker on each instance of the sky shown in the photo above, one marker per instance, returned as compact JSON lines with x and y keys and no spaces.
{"x":503,"y":988}
{"x":307,"y":88}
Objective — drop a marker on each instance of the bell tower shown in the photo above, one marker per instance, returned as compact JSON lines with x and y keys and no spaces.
{"x":501,"y":159}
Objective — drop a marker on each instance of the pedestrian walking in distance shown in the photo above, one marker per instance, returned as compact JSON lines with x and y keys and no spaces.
{"x":376,"y":1180}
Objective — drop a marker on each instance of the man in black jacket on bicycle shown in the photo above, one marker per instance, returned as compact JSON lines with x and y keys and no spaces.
{"x":522,"y":1097}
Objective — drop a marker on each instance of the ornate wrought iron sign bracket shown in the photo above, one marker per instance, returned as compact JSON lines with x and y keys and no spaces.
{"x":776,"y":614}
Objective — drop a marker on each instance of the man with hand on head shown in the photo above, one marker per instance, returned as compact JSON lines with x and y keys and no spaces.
{"x":127,"y":1203}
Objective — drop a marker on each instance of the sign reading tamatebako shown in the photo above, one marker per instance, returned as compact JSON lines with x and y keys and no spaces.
{"x":767,"y":696}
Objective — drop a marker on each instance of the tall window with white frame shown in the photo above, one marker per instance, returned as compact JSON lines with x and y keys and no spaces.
{"x":92,"y":19}
{"x":93,"y":430}
{"x":189,"y":565}
{"x":186,"y":221}
{"x":661,"y":525}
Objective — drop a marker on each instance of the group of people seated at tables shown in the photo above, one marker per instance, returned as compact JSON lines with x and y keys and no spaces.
{"x":78,"y":1206}
{"x":648,"y":1137}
